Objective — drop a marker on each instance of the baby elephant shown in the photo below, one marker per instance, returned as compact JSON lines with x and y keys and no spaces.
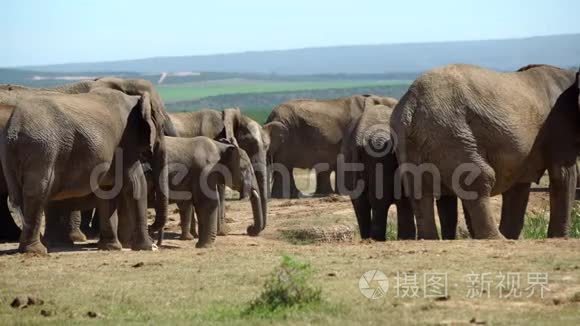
{"x":197,"y":168}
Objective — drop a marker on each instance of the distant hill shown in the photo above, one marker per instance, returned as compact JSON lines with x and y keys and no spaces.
{"x":509,"y":54}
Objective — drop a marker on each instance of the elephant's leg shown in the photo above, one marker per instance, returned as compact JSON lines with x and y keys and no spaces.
{"x":9,"y":231}
{"x":56,"y":232}
{"x":379,"y":221}
{"x":277,"y":185}
{"x":379,"y":210}
{"x":74,"y":227}
{"x":222,"y":228}
{"x":32,"y":212}
{"x":185,"y":211}
{"x":294,"y":191}
{"x":284,"y":185}
{"x":323,"y":184}
{"x":207,"y":214}
{"x":562,"y":194}
{"x":447,"y":209}
{"x":405,"y":220}
{"x":126,"y":223}
{"x":468,"y":221}
{"x":513,"y":210}
{"x":362,"y":210}
{"x":476,"y":201}
{"x":108,"y":223}
{"x":481,"y":217}
{"x":425,"y":214}
{"x":90,"y":223}
{"x":135,"y":197}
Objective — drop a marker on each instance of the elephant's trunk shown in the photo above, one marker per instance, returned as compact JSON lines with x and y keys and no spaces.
{"x":262,"y":179}
{"x":258,"y":226}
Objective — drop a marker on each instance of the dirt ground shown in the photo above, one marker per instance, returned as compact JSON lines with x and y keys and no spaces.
{"x":179,"y":284}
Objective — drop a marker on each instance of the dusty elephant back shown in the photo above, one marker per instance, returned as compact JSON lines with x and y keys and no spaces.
{"x":206,"y":122}
{"x":460,"y":110}
{"x":315,"y":130}
{"x":328,"y":117}
{"x":56,"y":126}
{"x":194,"y":153}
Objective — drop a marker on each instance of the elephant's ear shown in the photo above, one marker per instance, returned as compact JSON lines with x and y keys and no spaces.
{"x":277,"y":133}
{"x":231,"y":118}
{"x":147,"y":125}
{"x":139,"y":87}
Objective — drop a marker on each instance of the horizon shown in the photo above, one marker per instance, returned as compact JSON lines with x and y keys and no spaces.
{"x":257,"y":26}
{"x":289,"y":49}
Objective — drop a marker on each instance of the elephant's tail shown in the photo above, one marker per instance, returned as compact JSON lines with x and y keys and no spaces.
{"x":10,"y":173}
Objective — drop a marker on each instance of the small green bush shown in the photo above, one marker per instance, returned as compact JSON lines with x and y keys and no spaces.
{"x":575,"y":221}
{"x":287,"y":287}
{"x":535,"y":226}
{"x":391,"y":231}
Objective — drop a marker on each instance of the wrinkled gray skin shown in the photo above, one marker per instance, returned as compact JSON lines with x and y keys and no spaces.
{"x":368,"y":142}
{"x":232,"y":125}
{"x":510,"y":127}
{"x":514,"y":204}
{"x":71,"y":220}
{"x":308,"y":133}
{"x":196,"y":161}
{"x":75,"y":134}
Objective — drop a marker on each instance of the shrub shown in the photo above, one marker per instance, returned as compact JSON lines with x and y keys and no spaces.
{"x":288,"y":286}
{"x":535,"y":226}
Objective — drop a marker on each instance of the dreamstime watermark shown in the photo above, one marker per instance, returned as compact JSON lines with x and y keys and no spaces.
{"x":371,"y":161}
{"x":374,"y":284}
{"x":108,"y":179}
{"x":371,"y":164}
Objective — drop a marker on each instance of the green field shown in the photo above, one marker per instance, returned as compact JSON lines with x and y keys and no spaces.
{"x":195,"y":91}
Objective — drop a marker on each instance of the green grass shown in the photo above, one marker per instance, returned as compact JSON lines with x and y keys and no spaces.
{"x":536,"y":224}
{"x":201,"y":90}
{"x":287,"y":293}
{"x":288,"y":286}
{"x":258,"y":115}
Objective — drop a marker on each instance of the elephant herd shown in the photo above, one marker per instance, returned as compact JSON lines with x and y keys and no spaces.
{"x":109,"y":145}
{"x":461,"y":133}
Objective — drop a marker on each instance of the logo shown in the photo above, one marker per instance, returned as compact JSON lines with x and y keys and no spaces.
{"x":373,"y":284}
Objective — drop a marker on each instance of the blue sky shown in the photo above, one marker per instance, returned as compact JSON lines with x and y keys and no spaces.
{"x":61,"y":31}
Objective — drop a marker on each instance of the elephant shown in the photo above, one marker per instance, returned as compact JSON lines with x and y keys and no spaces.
{"x":368,"y":143}
{"x":232,"y":125}
{"x":138,"y":87}
{"x":199,"y":166}
{"x":88,"y":142}
{"x":480,"y":133}
{"x":308,"y":134}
